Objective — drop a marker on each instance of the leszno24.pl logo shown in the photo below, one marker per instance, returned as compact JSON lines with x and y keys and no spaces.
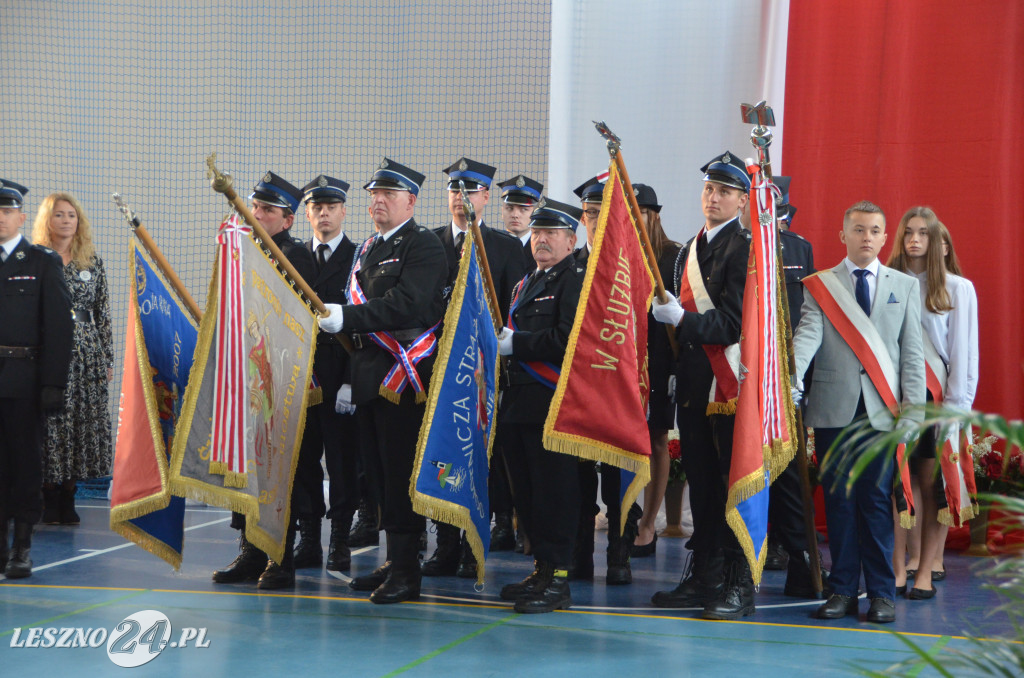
{"x":136,"y":640}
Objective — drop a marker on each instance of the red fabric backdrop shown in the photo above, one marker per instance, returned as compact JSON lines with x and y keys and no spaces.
{"x":918,"y":102}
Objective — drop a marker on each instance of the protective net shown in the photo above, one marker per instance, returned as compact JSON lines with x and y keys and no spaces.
{"x":131,"y":97}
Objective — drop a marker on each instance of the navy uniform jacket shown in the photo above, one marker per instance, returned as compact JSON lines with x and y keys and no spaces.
{"x":403,"y":279}
{"x":798,"y":263}
{"x":35,"y":310}
{"x":531,"y":263}
{"x":297,"y":254}
{"x":504,"y":256}
{"x":659,"y":350}
{"x":544,"y":316}
{"x":723,"y":267}
{"x":331,"y":362}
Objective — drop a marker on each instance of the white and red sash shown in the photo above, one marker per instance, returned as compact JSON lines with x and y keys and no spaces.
{"x":860,"y":334}
{"x":725,"y":360}
{"x":958,"y":496}
{"x":404,"y":370}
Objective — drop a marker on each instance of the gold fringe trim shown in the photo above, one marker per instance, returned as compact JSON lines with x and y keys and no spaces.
{"x":907,"y":520}
{"x":421,"y":397}
{"x":968,"y":512}
{"x":739,"y":528}
{"x":728,"y":407}
{"x":316,"y":396}
{"x":147,"y":542}
{"x":389,"y":395}
{"x":139,"y":507}
{"x":232,"y":479}
{"x":218,"y":468}
{"x":945,"y":517}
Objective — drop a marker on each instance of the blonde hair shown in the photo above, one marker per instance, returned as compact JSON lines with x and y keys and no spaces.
{"x":82,"y":250}
{"x":937,"y":299}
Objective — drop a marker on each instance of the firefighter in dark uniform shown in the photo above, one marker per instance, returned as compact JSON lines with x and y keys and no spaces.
{"x":507,"y":264}
{"x":274,"y":204}
{"x":718,"y":576}
{"x":787,"y":541}
{"x":545,"y":484}
{"x":329,"y":433}
{"x":35,"y":352}
{"x":519,"y":195}
{"x":620,"y":545}
{"x":397,"y":294}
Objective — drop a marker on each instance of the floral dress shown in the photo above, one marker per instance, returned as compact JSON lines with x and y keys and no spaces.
{"x":78,"y":440}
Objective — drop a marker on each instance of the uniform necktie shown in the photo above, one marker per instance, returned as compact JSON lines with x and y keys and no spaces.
{"x":863,"y":295}
{"x":702,"y":243}
{"x":460,"y":239}
{"x":321,"y":255}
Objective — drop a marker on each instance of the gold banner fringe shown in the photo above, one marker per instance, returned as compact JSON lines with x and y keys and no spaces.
{"x":147,"y":542}
{"x":739,"y":528}
{"x":232,"y":479}
{"x":389,"y":395}
{"x":421,"y":397}
{"x":728,"y":407}
{"x":945,"y":517}
{"x":139,"y":507}
{"x":316,"y":396}
{"x":907,"y":520}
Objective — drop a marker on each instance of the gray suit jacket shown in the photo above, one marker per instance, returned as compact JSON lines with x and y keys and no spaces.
{"x":839,"y":378}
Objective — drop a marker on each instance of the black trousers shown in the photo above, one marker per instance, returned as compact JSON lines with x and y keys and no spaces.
{"x":387,"y":439}
{"x":335,"y":437}
{"x":786,"y":510}
{"x":498,"y":490}
{"x":545,"y":491}
{"x":706,"y":449}
{"x":611,"y":491}
{"x":21,"y":459}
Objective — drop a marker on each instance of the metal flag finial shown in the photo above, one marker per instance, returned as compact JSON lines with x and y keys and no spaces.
{"x":762,"y":117}
{"x":614,"y":142}
{"x":126,"y":210}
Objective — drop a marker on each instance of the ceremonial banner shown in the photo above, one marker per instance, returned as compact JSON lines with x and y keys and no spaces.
{"x":159,"y":342}
{"x":599,"y":411}
{"x":272,"y":361}
{"x":449,"y":481}
{"x":764,"y":437}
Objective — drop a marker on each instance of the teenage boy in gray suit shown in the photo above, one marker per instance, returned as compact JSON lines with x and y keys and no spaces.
{"x":861,"y":324}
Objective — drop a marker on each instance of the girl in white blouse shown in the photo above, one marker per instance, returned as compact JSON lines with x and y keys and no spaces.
{"x":949,"y":316}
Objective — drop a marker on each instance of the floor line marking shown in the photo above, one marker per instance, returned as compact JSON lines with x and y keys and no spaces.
{"x":79,"y":611}
{"x":455,"y":643}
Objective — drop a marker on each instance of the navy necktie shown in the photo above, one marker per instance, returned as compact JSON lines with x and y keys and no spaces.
{"x":460,"y":240}
{"x":321,"y":255}
{"x":863,"y":295}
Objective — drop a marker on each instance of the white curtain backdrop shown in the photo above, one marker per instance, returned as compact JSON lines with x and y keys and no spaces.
{"x":668,"y":76}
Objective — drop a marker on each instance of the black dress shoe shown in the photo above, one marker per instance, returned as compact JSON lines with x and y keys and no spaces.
{"x":921,"y":594}
{"x":555,"y":596}
{"x":776,"y":558}
{"x":372,"y":581}
{"x":938,"y":575}
{"x":645,"y":550}
{"x":836,"y":607}
{"x":882,"y":611}
{"x":900,"y":590}
{"x":911,"y":573}
{"x":276,"y":577}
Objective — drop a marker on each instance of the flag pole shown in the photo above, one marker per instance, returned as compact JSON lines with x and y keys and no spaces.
{"x":158,"y":257}
{"x":615,"y":151}
{"x":222,"y":183}
{"x":762,"y":117}
{"x":485,"y":267}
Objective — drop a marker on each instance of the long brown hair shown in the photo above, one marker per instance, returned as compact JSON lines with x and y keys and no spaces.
{"x":82,"y":249}
{"x":952,"y":261}
{"x":937,"y":299}
{"x":655,"y":231}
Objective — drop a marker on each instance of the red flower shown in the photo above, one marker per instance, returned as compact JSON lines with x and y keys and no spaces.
{"x":674,"y":451}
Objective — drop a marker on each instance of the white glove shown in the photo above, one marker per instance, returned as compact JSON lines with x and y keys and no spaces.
{"x":672,"y":387}
{"x":333,"y":322}
{"x":669,"y":312}
{"x":908,"y":429}
{"x":798,"y":396}
{"x":505,"y":341}
{"x":343,"y":404}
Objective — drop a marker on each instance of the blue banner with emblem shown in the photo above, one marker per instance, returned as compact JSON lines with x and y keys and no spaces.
{"x":453,"y":453}
{"x":161,"y":337}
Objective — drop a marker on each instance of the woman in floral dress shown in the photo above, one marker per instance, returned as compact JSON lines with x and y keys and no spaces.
{"x":78,"y":440}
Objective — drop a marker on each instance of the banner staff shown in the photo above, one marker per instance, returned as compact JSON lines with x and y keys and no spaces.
{"x":485,"y":267}
{"x":222,"y":183}
{"x":158,"y":257}
{"x":615,"y":151}
{"x":763,"y":118}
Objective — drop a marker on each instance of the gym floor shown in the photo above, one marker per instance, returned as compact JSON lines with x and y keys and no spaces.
{"x":89,"y":580}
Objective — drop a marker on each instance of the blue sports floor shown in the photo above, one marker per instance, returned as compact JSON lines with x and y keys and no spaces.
{"x":88,"y":580}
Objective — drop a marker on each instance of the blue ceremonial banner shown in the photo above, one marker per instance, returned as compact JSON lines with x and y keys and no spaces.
{"x":453,"y":453}
{"x":161,"y":337}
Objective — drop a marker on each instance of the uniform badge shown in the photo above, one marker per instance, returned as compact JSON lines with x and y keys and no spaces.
{"x":520,"y":182}
{"x":383,"y":164}
{"x":19,"y":255}
{"x":463,"y":166}
{"x":321,"y":181}
{"x":636,"y":191}
{"x":268,"y":178}
{"x":85,"y":276}
{"x":726,"y":159}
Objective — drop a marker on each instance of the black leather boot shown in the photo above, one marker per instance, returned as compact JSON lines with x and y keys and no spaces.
{"x":372,"y":581}
{"x":403,"y":580}
{"x":467,"y":562}
{"x":68,"y":516}
{"x":798,"y":577}
{"x":248,"y":566}
{"x":701,"y":582}
{"x":280,"y":575}
{"x":554,"y":596}
{"x":51,"y":506}
{"x":445,"y":560}
{"x":366,"y":531}
{"x":776,"y":558}
{"x":619,"y":549}
{"x":4,"y":542}
{"x":737,"y":596}
{"x":339,"y":555}
{"x":582,"y":567}
{"x":503,"y":535}
{"x":535,"y":582}
{"x":19,"y":565}
{"x":309,"y":552}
